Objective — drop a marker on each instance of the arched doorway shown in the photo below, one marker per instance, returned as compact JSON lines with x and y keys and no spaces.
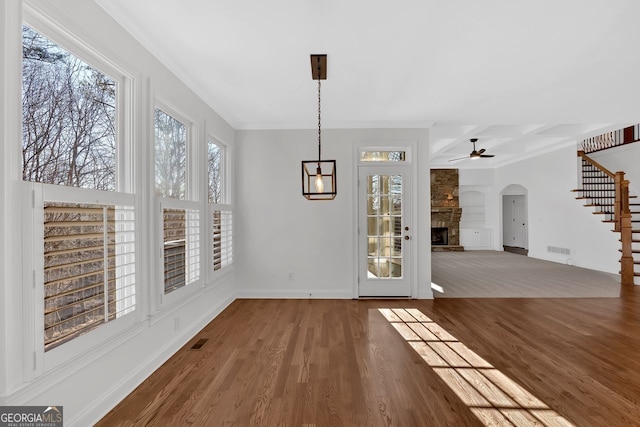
{"x":515,"y":229}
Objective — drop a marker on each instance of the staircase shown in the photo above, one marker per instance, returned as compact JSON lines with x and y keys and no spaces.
{"x":608,"y":194}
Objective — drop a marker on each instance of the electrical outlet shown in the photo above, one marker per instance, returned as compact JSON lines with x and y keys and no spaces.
{"x":291,"y":276}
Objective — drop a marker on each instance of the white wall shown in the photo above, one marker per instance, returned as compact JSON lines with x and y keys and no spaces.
{"x":556,"y":218}
{"x":92,"y":382}
{"x":625,"y":158}
{"x":280,"y":232}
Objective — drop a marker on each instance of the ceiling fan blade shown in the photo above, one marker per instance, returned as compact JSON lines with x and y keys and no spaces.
{"x":482,"y":150}
{"x":459,"y":158}
{"x":488,"y":155}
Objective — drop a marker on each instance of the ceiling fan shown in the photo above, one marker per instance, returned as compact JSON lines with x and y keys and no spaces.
{"x":475,"y":154}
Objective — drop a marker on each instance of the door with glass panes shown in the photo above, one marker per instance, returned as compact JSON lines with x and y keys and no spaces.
{"x":384,"y":233}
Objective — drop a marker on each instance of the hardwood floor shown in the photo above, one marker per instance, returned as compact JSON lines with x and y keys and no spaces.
{"x":343,"y":363}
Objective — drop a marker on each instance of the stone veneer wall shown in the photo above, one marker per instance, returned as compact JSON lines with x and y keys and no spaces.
{"x":445,"y":204}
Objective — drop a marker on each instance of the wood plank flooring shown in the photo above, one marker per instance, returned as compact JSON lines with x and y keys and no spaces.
{"x":343,"y":363}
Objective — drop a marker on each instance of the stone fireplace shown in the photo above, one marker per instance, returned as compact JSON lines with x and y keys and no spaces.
{"x":445,"y":211}
{"x":439,"y":236}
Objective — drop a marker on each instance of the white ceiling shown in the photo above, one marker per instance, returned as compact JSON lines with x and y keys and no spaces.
{"x":522,"y":76}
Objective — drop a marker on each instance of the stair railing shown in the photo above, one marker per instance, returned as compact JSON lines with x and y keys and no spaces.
{"x":621,"y":217}
{"x":612,"y":139}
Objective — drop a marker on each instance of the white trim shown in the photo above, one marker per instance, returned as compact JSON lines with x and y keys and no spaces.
{"x":12,"y":360}
{"x":410,"y":146}
{"x":294,"y":294}
{"x":112,"y":396}
{"x":27,"y":392}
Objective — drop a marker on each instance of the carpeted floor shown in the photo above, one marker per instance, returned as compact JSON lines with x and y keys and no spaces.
{"x":494,"y":274}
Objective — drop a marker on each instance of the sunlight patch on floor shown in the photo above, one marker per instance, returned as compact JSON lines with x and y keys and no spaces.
{"x":492,"y":397}
{"x":437,"y":288}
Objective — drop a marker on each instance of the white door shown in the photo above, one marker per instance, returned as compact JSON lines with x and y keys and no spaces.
{"x":384,"y":226}
{"x":514,"y":216}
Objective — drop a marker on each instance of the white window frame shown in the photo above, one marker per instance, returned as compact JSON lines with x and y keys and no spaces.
{"x":189,"y":204}
{"x":223,"y":169}
{"x":40,"y":194}
{"x":216,"y":276}
{"x":33,"y":196}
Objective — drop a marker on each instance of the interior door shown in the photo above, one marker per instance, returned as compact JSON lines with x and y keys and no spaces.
{"x":384,"y":231}
{"x":520,"y":221}
{"x":515,"y":231}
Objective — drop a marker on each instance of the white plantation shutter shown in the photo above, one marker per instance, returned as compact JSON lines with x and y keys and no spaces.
{"x":222,"y":236}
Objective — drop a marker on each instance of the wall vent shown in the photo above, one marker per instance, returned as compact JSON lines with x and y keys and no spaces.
{"x":198,"y":345}
{"x":557,"y":250}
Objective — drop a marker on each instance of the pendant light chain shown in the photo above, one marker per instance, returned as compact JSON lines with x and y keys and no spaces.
{"x":319,"y":131}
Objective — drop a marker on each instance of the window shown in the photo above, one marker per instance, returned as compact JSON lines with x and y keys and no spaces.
{"x":180,"y":217}
{"x":68,"y":114}
{"x":382,"y":156}
{"x":87,"y":271}
{"x":215,"y":153}
{"x":171,"y":156}
{"x":221,"y":214}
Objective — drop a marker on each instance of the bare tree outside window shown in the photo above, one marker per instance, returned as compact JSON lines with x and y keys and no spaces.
{"x":215,"y":171}
{"x":68,"y":114}
{"x":171,"y":156}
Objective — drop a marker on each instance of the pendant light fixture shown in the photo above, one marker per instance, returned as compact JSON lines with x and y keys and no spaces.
{"x":319,"y":176}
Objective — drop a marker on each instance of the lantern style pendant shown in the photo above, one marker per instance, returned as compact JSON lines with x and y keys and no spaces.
{"x":319,"y":176}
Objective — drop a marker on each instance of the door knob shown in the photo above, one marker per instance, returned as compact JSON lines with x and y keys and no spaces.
{"x":406,"y":229}
{"x":406,"y":237}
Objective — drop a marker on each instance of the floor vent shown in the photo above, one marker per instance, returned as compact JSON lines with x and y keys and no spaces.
{"x":198,"y":345}
{"x":556,"y":250}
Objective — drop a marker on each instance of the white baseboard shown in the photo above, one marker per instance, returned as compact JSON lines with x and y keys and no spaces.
{"x":111,"y":397}
{"x":294,"y":294}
